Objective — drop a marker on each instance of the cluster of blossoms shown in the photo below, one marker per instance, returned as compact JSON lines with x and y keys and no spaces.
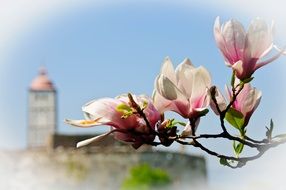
{"x":188,"y":91}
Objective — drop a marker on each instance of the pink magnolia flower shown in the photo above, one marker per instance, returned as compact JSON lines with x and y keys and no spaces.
{"x":243,"y":50}
{"x":220,"y":100}
{"x":183,"y":90}
{"x":118,"y":113}
{"x":246,"y":102}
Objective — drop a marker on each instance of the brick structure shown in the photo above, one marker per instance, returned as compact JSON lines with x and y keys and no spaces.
{"x":42,"y":111}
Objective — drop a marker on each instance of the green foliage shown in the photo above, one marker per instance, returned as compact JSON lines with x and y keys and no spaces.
{"x":125,"y":110}
{"x":145,"y":104}
{"x":248,"y":80}
{"x":144,"y":177}
{"x":238,"y":148}
{"x":223,"y":161}
{"x":204,"y":112}
{"x":173,"y":123}
{"x":232,"y":79}
{"x":235,"y":118}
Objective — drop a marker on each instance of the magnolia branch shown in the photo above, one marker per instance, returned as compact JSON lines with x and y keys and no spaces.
{"x":261,"y":145}
{"x":141,"y":119}
{"x":241,"y":161}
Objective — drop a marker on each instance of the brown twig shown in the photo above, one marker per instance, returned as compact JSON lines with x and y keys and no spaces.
{"x":140,"y":111}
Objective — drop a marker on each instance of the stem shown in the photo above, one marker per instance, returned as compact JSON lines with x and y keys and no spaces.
{"x":140,"y":112}
{"x":225,"y":136}
{"x":265,"y":141}
{"x":246,"y":141}
{"x":222,"y":113}
{"x":234,"y":96}
{"x":240,"y":161}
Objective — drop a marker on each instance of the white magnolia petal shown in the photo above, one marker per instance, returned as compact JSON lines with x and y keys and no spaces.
{"x":168,"y":89}
{"x":83,"y":123}
{"x":168,"y":71}
{"x":221,"y":102}
{"x":259,"y":38}
{"x":184,"y":74}
{"x":98,"y":138}
{"x":218,"y":35}
{"x":160,"y":103}
{"x":201,"y":82}
{"x":103,"y":108}
{"x":247,"y":99}
{"x":248,"y":102}
{"x":217,"y":26}
{"x":280,"y":50}
{"x":163,"y":105}
{"x":221,"y":42}
{"x":251,"y":100}
{"x":263,"y":63}
{"x":238,"y":68}
{"x":228,"y":92}
{"x":267,"y":50}
{"x":234,"y":36}
{"x":187,"y":131}
{"x":258,"y":96}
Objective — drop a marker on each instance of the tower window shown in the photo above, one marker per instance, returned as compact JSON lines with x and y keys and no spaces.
{"x":41,"y":96}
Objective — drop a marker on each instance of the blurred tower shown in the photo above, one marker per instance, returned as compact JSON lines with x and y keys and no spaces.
{"x":42,"y":111}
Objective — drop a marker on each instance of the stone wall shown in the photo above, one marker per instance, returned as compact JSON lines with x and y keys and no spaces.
{"x":80,"y":169}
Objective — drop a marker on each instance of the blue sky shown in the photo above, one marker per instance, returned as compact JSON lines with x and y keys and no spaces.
{"x":102,"y":49}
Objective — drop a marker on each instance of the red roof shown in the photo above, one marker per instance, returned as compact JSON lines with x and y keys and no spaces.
{"x":42,"y":82}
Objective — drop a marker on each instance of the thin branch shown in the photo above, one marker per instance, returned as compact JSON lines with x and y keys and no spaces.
{"x":140,"y":112}
{"x":234,"y":96}
{"x":263,"y":141}
{"x":240,"y":160}
{"x":222,"y":135}
{"x":223,"y":113}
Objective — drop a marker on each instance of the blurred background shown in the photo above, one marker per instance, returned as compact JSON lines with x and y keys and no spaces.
{"x":94,"y":49}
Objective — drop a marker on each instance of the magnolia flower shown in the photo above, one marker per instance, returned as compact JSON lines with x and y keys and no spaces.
{"x":128,"y":126}
{"x":243,"y":50}
{"x":188,"y":131}
{"x":220,"y":100}
{"x":183,"y":90}
{"x":246,"y":102}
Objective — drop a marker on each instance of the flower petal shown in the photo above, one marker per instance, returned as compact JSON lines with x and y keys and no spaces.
{"x":258,"y":96}
{"x":168,"y":71}
{"x":239,"y":70}
{"x":250,"y":100}
{"x":201,"y":82}
{"x":234,"y":36}
{"x":98,"y":138}
{"x":187,"y":131}
{"x":221,"y":42}
{"x":184,"y":74}
{"x":163,"y":105}
{"x":168,"y":89}
{"x":261,"y":64}
{"x":221,"y":102}
{"x":103,"y":108}
{"x":83,"y":123}
{"x":259,"y":38}
{"x":160,"y":102}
